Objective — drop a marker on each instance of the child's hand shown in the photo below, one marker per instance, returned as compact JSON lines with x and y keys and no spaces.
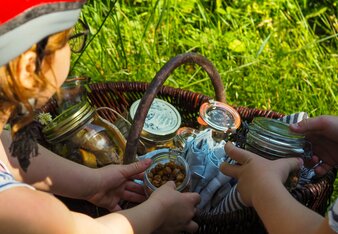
{"x":322,"y":132}
{"x":179,"y":209}
{"x":255,"y":173}
{"x":112,"y":183}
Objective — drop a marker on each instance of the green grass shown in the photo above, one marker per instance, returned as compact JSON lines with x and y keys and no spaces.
{"x":280,"y":55}
{"x":267,"y":53}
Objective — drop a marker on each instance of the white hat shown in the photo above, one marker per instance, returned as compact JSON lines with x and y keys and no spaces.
{"x":25,"y":22}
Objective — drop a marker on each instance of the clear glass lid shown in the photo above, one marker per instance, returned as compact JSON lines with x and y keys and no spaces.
{"x":220,"y":116}
{"x":275,"y":128}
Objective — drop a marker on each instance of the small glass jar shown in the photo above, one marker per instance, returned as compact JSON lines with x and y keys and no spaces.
{"x":167,"y":166}
{"x":72,"y":91}
{"x":160,"y":125}
{"x":182,"y":136}
{"x":222,"y":118}
{"x":81,"y":135}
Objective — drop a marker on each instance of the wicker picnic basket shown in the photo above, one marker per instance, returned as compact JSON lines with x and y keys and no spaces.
{"x":120,"y":95}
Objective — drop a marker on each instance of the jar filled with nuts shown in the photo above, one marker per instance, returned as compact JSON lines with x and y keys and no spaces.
{"x":167,"y":166}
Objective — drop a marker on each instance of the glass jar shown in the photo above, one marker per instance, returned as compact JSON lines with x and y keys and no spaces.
{"x":160,"y":125}
{"x":182,"y":136}
{"x":81,"y":135}
{"x":272,"y":139}
{"x":220,"y":117}
{"x":72,"y":91}
{"x":167,"y":166}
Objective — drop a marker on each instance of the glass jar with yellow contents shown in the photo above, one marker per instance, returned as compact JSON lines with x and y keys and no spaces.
{"x":81,"y":135}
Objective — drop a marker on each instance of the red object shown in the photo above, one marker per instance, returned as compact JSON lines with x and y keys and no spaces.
{"x":12,"y":8}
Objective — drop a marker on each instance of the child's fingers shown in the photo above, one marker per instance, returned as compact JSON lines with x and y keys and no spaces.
{"x":230,"y":170}
{"x":240,"y":155}
{"x":135,"y":168}
{"x":322,"y":169}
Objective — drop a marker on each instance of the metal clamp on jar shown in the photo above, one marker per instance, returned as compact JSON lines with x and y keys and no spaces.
{"x":222,"y":118}
{"x":81,"y":135}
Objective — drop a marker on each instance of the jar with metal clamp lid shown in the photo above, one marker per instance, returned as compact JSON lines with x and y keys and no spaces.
{"x":182,"y":135}
{"x":222,"y":118}
{"x":81,"y":135}
{"x":272,"y":139}
{"x":72,"y":91}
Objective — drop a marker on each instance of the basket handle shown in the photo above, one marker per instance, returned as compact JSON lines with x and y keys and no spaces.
{"x":154,"y":87}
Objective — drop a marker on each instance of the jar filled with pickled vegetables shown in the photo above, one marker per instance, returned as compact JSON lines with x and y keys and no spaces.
{"x":81,"y":135}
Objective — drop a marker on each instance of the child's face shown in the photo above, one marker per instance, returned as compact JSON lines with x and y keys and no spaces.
{"x":57,"y":74}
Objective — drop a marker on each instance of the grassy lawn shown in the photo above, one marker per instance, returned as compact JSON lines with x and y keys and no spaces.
{"x":280,"y":55}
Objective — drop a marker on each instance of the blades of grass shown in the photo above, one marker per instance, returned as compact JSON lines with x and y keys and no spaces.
{"x":120,"y":39}
{"x":152,"y":13}
{"x":261,"y":48}
{"x":93,"y":37}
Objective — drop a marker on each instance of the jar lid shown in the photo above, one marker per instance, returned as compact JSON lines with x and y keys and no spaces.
{"x":75,"y":81}
{"x":68,"y":122}
{"x":219,"y":116}
{"x":276,"y":128}
{"x":273,"y":137}
{"x":272,"y":146}
{"x":162,"y":120}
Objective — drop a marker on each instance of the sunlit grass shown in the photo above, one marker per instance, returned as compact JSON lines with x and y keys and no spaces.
{"x":267,"y":54}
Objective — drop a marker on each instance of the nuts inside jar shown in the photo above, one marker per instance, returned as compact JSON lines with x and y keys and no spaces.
{"x":169,"y":171}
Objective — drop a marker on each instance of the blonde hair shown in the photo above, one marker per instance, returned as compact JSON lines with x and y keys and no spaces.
{"x":14,"y":95}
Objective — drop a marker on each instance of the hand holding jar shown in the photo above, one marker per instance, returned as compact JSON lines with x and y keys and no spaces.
{"x":179,"y":209}
{"x":167,"y":166}
{"x":111,"y":183}
{"x":322,"y":132}
{"x":256,"y":174}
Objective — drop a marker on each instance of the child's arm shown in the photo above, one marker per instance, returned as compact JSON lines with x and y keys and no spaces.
{"x":29,"y":211}
{"x":261,"y":185}
{"x":52,"y":173}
